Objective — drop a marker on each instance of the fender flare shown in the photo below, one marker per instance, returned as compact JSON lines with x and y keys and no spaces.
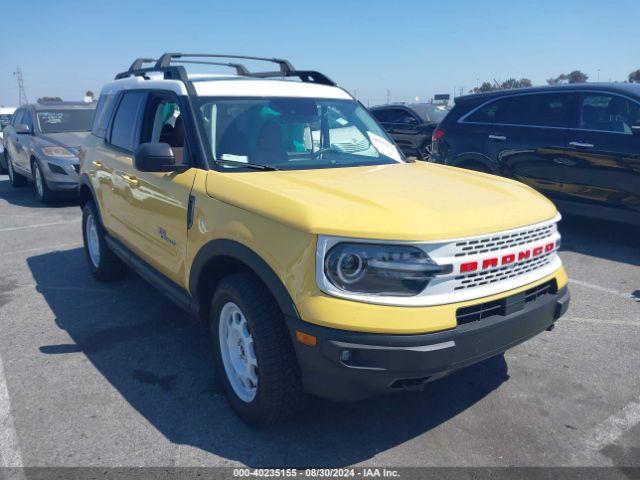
{"x":243,"y":254}
{"x":85,"y":182}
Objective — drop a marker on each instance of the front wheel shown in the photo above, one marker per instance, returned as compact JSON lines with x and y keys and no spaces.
{"x":43,"y":192}
{"x":15,"y":179}
{"x":254,"y":355}
{"x":103,"y":263}
{"x":3,"y":168}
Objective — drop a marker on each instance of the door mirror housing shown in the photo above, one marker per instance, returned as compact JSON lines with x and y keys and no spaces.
{"x":156,"y":157}
{"x":23,"y":129}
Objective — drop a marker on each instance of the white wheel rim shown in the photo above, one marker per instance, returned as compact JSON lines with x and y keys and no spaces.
{"x":38,"y":176}
{"x":93,"y":243}
{"x":238,"y":352}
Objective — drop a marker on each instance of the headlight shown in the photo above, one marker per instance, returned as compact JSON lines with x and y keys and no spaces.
{"x":393,"y":270}
{"x":57,"y":152}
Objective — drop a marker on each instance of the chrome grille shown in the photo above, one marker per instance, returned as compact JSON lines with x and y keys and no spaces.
{"x":500,"y":242}
{"x":477,"y":279}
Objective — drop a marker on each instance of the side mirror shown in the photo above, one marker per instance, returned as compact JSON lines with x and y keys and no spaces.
{"x":635,"y":129}
{"x":156,"y":157}
{"x":23,"y":129}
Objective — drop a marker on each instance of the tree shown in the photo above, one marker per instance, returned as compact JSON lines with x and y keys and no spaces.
{"x":634,"y":77}
{"x":49,"y":99}
{"x":525,"y":82}
{"x":574,"y":77}
{"x":485,"y":87}
{"x":513,"y":83}
{"x":89,"y":94}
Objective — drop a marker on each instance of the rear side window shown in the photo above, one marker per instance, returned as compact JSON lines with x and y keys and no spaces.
{"x":124,"y":131}
{"x":102,"y":115}
{"x":608,"y":113}
{"x":541,"y":110}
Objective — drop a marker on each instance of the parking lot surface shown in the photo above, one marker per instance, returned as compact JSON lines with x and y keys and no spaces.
{"x":114,"y":374}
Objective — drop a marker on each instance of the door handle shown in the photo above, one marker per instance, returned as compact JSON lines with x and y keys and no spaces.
{"x":97,"y":164}
{"x":581,"y":144}
{"x":133,"y":181}
{"x":564,"y":161}
{"x":500,"y":138}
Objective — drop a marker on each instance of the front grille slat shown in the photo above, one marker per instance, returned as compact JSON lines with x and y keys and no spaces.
{"x":485,"y":310}
{"x":499,"y":242}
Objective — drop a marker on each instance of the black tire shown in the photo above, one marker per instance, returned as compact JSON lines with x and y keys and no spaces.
{"x":3,"y":163}
{"x":44,"y":194}
{"x":15,"y":179}
{"x":279,"y":393}
{"x":108,"y":266}
{"x":476,"y":167}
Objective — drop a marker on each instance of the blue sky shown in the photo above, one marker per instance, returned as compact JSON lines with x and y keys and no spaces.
{"x":413,"y":48}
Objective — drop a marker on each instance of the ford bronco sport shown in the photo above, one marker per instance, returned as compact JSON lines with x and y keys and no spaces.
{"x":280,"y":213}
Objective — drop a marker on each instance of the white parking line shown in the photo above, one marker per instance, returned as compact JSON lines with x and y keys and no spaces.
{"x":613,"y":427}
{"x":569,"y":318}
{"x":10,"y":455}
{"x":38,"y":225}
{"x":38,"y":249}
{"x":601,"y":289}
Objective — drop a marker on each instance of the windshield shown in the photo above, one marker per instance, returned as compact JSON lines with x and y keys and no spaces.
{"x":4,"y":121}
{"x":436,"y":113}
{"x":294,"y":133}
{"x":56,"y":121}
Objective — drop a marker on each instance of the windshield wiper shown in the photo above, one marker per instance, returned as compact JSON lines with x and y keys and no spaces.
{"x":254,"y":166}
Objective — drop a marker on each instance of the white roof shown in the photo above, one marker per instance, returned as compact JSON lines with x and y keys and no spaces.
{"x":231,"y":86}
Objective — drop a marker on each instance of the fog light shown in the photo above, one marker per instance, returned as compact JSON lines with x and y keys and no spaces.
{"x":345,"y":355}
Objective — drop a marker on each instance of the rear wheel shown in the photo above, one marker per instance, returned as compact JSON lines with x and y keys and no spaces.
{"x":43,"y":192}
{"x":15,"y":179}
{"x":103,"y":263}
{"x":254,"y":355}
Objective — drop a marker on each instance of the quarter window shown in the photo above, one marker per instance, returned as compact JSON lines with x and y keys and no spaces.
{"x":541,"y":110}
{"x":102,"y":115}
{"x":123,"y":131}
{"x":608,"y":113}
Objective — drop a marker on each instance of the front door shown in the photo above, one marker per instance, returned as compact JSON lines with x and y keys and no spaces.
{"x":605,"y":153}
{"x":157,"y":203}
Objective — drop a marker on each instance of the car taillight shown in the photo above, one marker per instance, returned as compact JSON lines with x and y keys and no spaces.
{"x":438,"y":133}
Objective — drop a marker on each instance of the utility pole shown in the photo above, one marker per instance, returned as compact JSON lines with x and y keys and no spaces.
{"x":22,"y":94}
{"x":388,"y":96}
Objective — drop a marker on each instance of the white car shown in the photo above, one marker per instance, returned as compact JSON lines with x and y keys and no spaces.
{"x":5,"y":118}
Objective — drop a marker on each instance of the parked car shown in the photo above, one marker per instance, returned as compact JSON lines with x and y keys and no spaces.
{"x":282,"y":215}
{"x":5,"y":118}
{"x":41,"y":144}
{"x":411,"y":125}
{"x":577,"y":144}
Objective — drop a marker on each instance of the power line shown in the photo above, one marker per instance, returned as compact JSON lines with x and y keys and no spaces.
{"x":22,"y":94}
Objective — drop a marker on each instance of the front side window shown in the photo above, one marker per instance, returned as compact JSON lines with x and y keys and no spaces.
{"x":163,"y":122}
{"x":17,"y":117}
{"x":102,"y":115}
{"x":608,"y":113}
{"x":294,"y":133}
{"x":59,"y":120}
{"x":123,"y":130}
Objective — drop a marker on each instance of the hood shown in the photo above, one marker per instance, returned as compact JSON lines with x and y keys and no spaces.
{"x":406,"y":201}
{"x":63,"y":139}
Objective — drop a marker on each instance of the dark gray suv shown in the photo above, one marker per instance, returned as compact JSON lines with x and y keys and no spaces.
{"x":42,"y":143}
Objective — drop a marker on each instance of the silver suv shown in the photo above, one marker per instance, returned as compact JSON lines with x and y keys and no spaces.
{"x":42,"y":144}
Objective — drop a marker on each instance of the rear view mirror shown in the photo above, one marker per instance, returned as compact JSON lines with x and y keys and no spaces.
{"x":156,"y":157}
{"x":23,"y":128}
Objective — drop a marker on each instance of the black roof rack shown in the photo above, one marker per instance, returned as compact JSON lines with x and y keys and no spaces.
{"x":177,"y":72}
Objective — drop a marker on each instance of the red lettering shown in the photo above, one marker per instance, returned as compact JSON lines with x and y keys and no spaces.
{"x":507,"y":259}
{"x":549,"y":246}
{"x":537,"y":251}
{"x":524,"y":255}
{"x":489,"y":262}
{"x":469,"y":267}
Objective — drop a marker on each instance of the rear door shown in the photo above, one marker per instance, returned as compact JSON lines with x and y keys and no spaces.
{"x":156,"y":204}
{"x":526,"y":136}
{"x":11,"y":140}
{"x":605,"y":153}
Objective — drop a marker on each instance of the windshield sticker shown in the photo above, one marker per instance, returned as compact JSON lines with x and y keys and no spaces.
{"x":51,"y":118}
{"x":384,"y":147}
{"x":235,"y":158}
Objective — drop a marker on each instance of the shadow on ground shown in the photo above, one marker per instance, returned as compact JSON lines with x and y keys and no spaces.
{"x":161,"y":363}
{"x":600,"y":238}
{"x":26,"y":196}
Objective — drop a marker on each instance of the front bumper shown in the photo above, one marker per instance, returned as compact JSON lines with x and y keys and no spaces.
{"x":348,"y":365}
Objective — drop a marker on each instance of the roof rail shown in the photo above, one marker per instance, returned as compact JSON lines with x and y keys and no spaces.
{"x":285,"y":67}
{"x":178,"y":72}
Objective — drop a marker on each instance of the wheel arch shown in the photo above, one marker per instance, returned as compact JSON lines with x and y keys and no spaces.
{"x":222,"y":257}
{"x":470,"y":159}
{"x":87,"y":194}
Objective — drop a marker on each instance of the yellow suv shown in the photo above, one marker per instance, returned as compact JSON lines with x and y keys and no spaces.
{"x":272,"y":206}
